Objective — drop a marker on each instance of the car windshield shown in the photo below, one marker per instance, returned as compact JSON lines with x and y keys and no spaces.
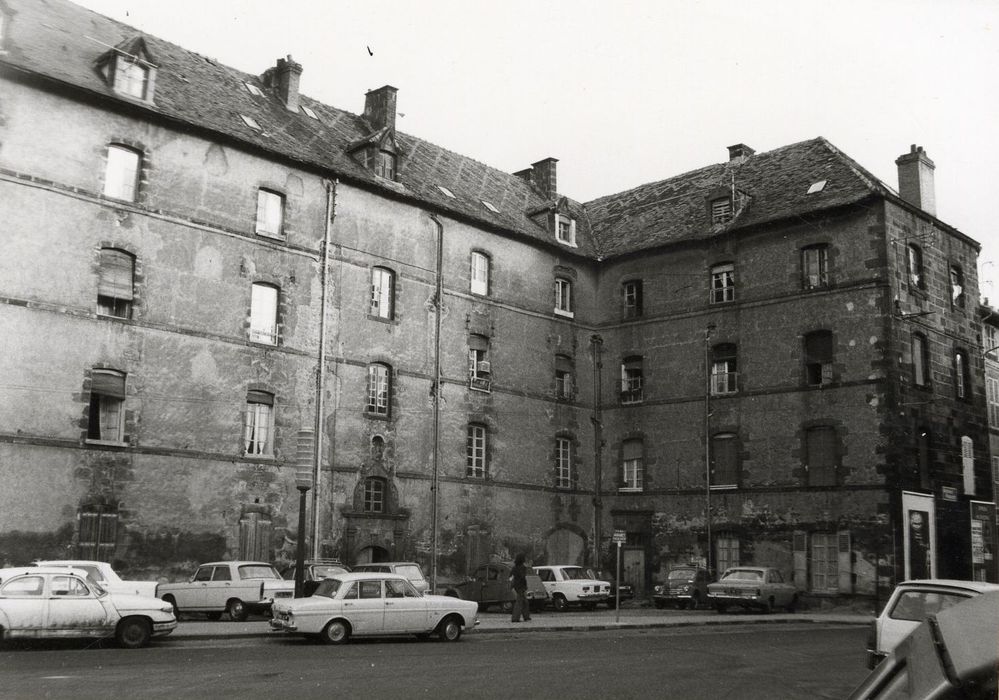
{"x":410,"y":571}
{"x":325,"y":570}
{"x":743,"y":575}
{"x":574,"y":572}
{"x":683,"y":574}
{"x":258,"y":571}
{"x":328,"y":587}
{"x":917,"y":605}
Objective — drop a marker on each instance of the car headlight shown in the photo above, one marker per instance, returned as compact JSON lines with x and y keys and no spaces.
{"x":658,"y":589}
{"x":166,"y":608}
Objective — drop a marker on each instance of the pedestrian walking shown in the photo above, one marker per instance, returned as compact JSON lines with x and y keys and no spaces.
{"x":518,"y":581}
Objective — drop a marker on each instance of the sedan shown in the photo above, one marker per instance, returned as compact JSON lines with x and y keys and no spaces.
{"x":372,"y":604}
{"x":758,"y":587}
{"x":62,"y":603}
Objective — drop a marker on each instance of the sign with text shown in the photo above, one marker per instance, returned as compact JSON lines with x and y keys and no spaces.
{"x":620,"y":537}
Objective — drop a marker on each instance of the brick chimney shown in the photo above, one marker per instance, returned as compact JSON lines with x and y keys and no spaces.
{"x":915,"y":179}
{"x":283,"y":79}
{"x":544,"y":177}
{"x":379,"y":107}
{"x":739,"y":153}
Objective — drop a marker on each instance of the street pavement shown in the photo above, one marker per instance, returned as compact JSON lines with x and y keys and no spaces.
{"x":570,"y":621}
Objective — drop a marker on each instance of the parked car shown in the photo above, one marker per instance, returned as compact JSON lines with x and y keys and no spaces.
{"x":759,"y":587}
{"x":489,"y":585}
{"x":375,"y":604}
{"x":685,"y":586}
{"x":912,"y":602}
{"x":314,"y":571}
{"x":410,"y":569}
{"x":102,"y":573}
{"x":39,"y":602}
{"x":623,"y":592}
{"x":571,"y":585}
{"x":234,"y":587}
{"x":950,"y":654}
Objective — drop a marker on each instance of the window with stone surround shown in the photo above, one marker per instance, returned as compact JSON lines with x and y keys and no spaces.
{"x":379,"y":383}
{"x":914,"y":266}
{"x":565,"y":473}
{"x":815,"y":267}
{"x":121,"y":175}
{"x":565,"y":229}
{"x":632,"y":296}
{"x":115,"y":283}
{"x":382,"y":293}
{"x":258,"y":425}
{"x":264,"y":313}
{"x":563,"y":296}
{"x":475,"y":451}
{"x":724,"y":461}
{"x":957,"y":294}
{"x":920,"y":360}
{"x":818,"y":358}
{"x":632,"y":465}
{"x":270,"y":213}
{"x":564,"y":386}
{"x":480,"y":273}
{"x":722,"y":283}
{"x":374,"y":495}
{"x":632,"y":380}
{"x":724,"y":369}
{"x":962,"y":375}
{"x":480,"y":370}
{"x":821,"y":456}
{"x":106,"y":418}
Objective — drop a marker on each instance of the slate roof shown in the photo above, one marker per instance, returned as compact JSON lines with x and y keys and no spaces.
{"x":63,"y":41}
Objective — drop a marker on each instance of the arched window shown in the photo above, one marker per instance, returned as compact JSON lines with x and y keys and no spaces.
{"x":480,"y":273}
{"x":962,"y":375}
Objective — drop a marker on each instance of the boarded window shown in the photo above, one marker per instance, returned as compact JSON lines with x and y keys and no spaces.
{"x":98,"y":532}
{"x":724,"y":460}
{"x":822,"y":455}
{"x":256,"y":535}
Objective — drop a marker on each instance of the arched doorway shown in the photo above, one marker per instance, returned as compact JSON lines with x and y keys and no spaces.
{"x":372,"y":555}
{"x":565,"y":546}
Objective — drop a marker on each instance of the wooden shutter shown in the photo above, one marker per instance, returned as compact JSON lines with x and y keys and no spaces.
{"x":108,"y":383}
{"x":799,"y":547}
{"x":98,"y":532}
{"x":116,"y":274}
{"x":844,"y":549}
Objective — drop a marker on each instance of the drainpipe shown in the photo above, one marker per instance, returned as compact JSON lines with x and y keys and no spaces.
{"x":707,"y":443}
{"x":598,"y":442}
{"x":436,"y":386}
{"x":321,"y":369}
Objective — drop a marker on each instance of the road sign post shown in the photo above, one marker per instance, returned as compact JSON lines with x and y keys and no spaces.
{"x":619,"y":539}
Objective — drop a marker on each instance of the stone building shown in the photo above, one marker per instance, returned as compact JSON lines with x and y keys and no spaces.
{"x":768,"y":360}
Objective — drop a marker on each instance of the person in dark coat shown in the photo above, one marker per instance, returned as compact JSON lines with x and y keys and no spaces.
{"x":518,"y":581}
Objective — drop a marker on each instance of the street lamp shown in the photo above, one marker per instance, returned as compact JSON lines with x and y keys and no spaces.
{"x":303,"y":482}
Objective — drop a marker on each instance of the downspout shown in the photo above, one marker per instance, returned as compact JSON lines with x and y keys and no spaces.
{"x":321,"y":369}
{"x":436,"y":386}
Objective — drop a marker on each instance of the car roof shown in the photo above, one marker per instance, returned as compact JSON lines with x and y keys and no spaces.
{"x":36,"y":569}
{"x":978,"y":586}
{"x":368,"y":576}
{"x":558,"y":566}
{"x":65,"y":562}
{"x":237,"y":562}
{"x":386,"y":563}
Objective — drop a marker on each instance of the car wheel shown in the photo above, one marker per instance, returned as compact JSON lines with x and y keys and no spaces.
{"x":449,"y":630}
{"x":507,"y":606}
{"x":176,"y":610}
{"x":133,"y":633}
{"x":237,"y":610}
{"x":214,"y":616}
{"x":560,"y":603}
{"x":793,"y":605}
{"x":660,"y":604}
{"x":335,"y":632}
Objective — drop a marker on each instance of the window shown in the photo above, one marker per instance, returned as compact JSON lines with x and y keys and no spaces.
{"x":121,"y":178}
{"x":380,"y":162}
{"x":374,"y":495}
{"x":115,"y":283}
{"x":475,"y":451}
{"x":97,"y":533}
{"x":565,"y":229}
{"x":920,"y":360}
{"x":962,"y":375}
{"x":563,"y":378}
{"x":825,"y":562}
{"x":106,"y":419}
{"x":263,"y":314}
{"x":990,"y":336}
{"x":480,"y":273}
{"x":821,"y":456}
{"x":632,"y":472}
{"x":631,"y":380}
{"x":479,"y":367}
{"x":258,"y":433}
{"x":378,"y":389}
{"x":382,"y":293}
{"x":632,"y":298}
{"x":253,"y":89}
{"x":563,"y":296}
{"x":956,"y":287}
{"x":309,"y":112}
{"x":724,"y":377}
{"x":724,"y":461}
{"x":968,"y":464}
{"x":722,"y":283}
{"x":490,"y":206}
{"x":721,"y":210}
{"x":130,"y":77}
{"x":915,"y":265}
{"x":815,"y":267}
{"x":270,"y":213}
{"x":726,"y":553}
{"x":818,"y":358}
{"x":992,"y":398}
{"x":565,"y":476}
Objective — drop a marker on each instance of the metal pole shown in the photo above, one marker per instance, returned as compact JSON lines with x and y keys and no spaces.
{"x":321,"y":369}
{"x":436,"y":391}
{"x":300,"y":548}
{"x":707,"y":445}
{"x":598,"y":443}
{"x":617,"y":588}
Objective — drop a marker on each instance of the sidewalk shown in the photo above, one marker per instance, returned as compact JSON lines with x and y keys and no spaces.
{"x":551,"y":621}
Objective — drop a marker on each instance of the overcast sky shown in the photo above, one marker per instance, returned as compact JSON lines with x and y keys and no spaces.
{"x":624,"y":93}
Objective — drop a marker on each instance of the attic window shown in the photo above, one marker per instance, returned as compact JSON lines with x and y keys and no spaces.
{"x":128,"y":68}
{"x":721,"y":210}
{"x":490,"y":206}
{"x":250,"y":122}
{"x":817,"y":187}
{"x":309,"y":113}
{"x":130,"y":77}
{"x":254,"y":90}
{"x":565,"y":229}
{"x":379,"y":161}
{"x":446,"y":191}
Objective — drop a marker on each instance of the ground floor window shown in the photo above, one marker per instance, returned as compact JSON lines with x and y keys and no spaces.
{"x":98,"y":532}
{"x":825,"y":562}
{"x":726,"y":553}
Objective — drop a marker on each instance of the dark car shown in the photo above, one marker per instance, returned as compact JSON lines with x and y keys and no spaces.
{"x":315,"y":571}
{"x":489,"y":585}
{"x":623,"y":592}
{"x":685,"y":586}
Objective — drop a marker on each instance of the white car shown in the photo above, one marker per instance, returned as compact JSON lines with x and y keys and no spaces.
{"x":572,"y":585}
{"x":105,"y":576}
{"x":39,"y":602}
{"x":375,"y":605}
{"x":234,"y":587}
{"x":912,"y":602}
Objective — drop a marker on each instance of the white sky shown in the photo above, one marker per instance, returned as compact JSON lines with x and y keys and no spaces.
{"x":624,"y":93}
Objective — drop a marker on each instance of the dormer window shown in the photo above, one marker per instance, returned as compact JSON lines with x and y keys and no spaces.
{"x":129,"y":69}
{"x":379,"y":161}
{"x":721,"y":210}
{"x":565,"y":229}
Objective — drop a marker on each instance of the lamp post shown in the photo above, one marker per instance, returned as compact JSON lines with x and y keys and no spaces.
{"x":303,"y":482}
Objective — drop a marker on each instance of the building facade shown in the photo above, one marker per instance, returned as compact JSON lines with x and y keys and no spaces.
{"x":774,"y":360}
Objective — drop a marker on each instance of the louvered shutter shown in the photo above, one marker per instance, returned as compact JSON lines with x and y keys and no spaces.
{"x":844,"y":548}
{"x":116,"y":274}
{"x":799,"y":546}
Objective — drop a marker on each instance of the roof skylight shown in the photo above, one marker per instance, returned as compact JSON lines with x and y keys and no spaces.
{"x":309,"y":113}
{"x":446,"y":191}
{"x":490,"y":206}
{"x":817,"y":187}
{"x":254,"y":90}
{"x":250,"y":122}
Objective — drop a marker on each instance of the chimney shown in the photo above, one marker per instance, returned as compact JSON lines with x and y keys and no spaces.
{"x":739,"y":153}
{"x":544,"y":177}
{"x":915,"y":179}
{"x":379,"y":107}
{"x":283,"y":79}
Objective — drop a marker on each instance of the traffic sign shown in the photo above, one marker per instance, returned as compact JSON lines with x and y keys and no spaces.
{"x":620,"y":536}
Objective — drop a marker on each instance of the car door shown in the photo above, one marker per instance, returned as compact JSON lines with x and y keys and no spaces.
{"x":74,"y":608}
{"x":496,"y":587}
{"x":406,"y":611}
{"x":547,"y":577}
{"x":218,"y":589}
{"x":192,"y":595}
{"x":23,"y":605}
{"x":364,"y":607}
